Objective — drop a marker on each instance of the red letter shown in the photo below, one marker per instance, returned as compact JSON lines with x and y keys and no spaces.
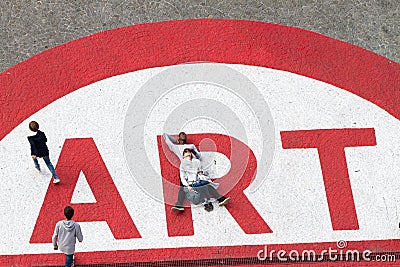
{"x":330,"y":144}
{"x":242,"y":172}
{"x":82,"y":155}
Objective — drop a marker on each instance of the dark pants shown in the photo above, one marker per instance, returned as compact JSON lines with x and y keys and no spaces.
{"x":182,"y":195}
{"x":49,"y":165}
{"x":69,"y":259}
{"x":202,"y":188}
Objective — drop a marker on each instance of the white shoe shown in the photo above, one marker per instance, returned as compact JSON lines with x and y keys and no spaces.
{"x":224,"y":202}
{"x":177,"y":209}
{"x":56,"y":181}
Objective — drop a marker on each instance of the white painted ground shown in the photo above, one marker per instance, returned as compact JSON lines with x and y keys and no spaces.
{"x":291,"y":200}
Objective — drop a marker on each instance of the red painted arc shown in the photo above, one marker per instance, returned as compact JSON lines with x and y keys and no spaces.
{"x":33,"y":84}
{"x":46,"y":77}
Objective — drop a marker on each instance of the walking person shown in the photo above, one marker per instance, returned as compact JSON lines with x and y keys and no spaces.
{"x":65,"y":235}
{"x":39,"y":149}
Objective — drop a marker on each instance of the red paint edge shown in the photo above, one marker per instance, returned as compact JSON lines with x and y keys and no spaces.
{"x":190,"y":253}
{"x":33,"y":84}
{"x":66,"y":68}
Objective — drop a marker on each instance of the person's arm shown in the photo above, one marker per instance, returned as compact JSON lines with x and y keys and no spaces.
{"x":183,"y":176}
{"x":196,"y":153}
{"x":79,"y":233}
{"x":171,"y":142}
{"x":44,"y":138}
{"x":199,"y":168}
{"x":33,"y":147}
{"x":55,"y":236}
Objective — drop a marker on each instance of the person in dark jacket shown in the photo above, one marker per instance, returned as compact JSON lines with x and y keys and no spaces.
{"x":39,"y":149}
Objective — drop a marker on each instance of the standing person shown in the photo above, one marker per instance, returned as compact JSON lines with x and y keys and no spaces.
{"x":177,"y":146}
{"x":65,"y":234}
{"x":39,"y":149}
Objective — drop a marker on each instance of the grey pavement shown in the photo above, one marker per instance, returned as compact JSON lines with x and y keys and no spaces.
{"x":29,"y":27}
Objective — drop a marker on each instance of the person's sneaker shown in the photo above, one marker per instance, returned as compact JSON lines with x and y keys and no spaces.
{"x":56,"y":181}
{"x":206,"y":207}
{"x":177,"y":209}
{"x":210,"y":206}
{"x":220,"y":199}
{"x":224,"y":202}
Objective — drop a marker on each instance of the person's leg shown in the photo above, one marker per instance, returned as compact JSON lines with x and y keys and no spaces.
{"x":203,"y":196}
{"x":201,"y":187}
{"x":213,"y":192}
{"x":50,"y":166}
{"x":207,"y":194}
{"x":204,"y":187}
{"x":222,"y":200}
{"x":181,"y":197}
{"x":69,"y":259}
{"x":36,"y":162}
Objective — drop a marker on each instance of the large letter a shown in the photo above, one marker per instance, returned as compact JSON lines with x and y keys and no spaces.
{"x":78,"y":155}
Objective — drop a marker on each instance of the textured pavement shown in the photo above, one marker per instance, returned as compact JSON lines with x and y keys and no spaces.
{"x":30,"y":27}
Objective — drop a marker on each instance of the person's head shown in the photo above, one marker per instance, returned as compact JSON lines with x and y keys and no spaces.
{"x":68,"y":212}
{"x":182,"y":138}
{"x":33,"y":126}
{"x":187,"y":154}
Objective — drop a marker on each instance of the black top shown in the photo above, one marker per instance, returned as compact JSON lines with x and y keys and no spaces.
{"x":38,"y":144}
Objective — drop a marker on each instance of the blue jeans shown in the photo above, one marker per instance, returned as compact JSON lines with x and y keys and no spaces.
{"x":69,"y":259}
{"x":49,"y":165}
{"x":202,"y":187}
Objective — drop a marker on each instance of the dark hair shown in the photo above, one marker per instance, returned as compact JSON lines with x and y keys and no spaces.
{"x":182,"y":133}
{"x":182,"y":139}
{"x":33,"y":126}
{"x":68,"y":212}
{"x":187,"y":150}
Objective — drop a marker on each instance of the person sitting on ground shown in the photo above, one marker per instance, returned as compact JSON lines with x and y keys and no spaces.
{"x":177,"y":146}
{"x":190,"y":170}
